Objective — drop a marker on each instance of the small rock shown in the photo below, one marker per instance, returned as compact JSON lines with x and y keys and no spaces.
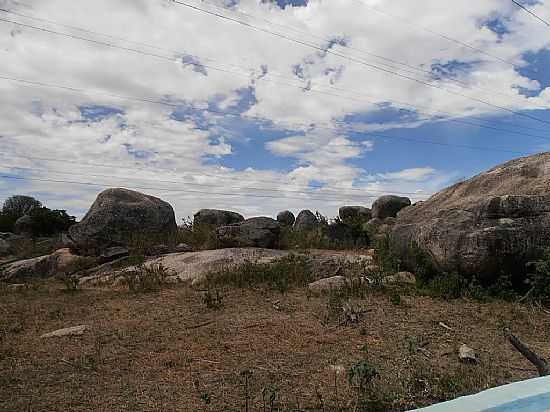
{"x":113,"y":253}
{"x":183,"y":247}
{"x":401,"y":277}
{"x":72,"y":331}
{"x":327,"y":284}
{"x":158,"y":250}
{"x":467,"y":354}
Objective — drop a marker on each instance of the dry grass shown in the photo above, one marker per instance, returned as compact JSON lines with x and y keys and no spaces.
{"x":167,"y":351}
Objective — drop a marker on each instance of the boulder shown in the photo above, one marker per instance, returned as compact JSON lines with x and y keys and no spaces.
{"x":59,"y":262}
{"x":494,"y":222}
{"x":328,"y":284}
{"x":260,"y":232}
{"x":9,"y":242}
{"x":117,"y":215}
{"x":286,"y":218}
{"x":216,"y":217}
{"x":389,"y":206}
{"x":23,"y":226}
{"x":306,"y":220}
{"x":354,"y":214}
{"x":182,"y":247}
{"x":113,"y":253}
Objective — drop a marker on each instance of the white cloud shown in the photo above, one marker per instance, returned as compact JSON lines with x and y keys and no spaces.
{"x":148,"y":144}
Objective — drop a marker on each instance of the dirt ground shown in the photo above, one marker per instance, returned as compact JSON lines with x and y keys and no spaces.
{"x":167,"y":351}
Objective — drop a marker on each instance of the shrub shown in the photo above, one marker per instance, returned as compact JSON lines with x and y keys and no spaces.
{"x":199,"y":237}
{"x":540,"y":281}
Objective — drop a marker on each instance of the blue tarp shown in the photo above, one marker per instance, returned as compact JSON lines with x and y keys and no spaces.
{"x":532,"y":395}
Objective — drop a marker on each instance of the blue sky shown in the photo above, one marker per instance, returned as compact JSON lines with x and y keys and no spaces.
{"x":309,"y":104}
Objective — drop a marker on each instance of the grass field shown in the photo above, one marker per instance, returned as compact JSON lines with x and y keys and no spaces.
{"x":251,"y":349}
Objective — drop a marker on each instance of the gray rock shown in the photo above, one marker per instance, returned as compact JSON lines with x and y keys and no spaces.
{"x":467,"y":354}
{"x":461,"y":228}
{"x":328,"y":284}
{"x":260,"y":232}
{"x":389,"y":206}
{"x":373,"y":225}
{"x":23,"y":225}
{"x":286,"y":218}
{"x":59,"y":262}
{"x":306,"y":220}
{"x":113,"y":253}
{"x":72,"y":331}
{"x":182,"y":247}
{"x":117,"y":215}
{"x":354,"y":214}
{"x":216,"y":217}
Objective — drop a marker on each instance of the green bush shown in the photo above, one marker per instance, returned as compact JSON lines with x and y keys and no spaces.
{"x":146,"y":278}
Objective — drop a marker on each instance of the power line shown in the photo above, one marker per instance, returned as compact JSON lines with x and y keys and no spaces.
{"x":165,"y":190}
{"x":202,"y":173}
{"x":429,"y":73}
{"x":531,"y":13}
{"x":257,"y":118}
{"x":226,"y":113}
{"x":438,"y":34}
{"x":325,"y":192}
{"x":315,"y":90}
{"x":352,"y":59}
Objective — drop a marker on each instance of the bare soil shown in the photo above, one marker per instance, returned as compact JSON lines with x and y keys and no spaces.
{"x":167,"y":351}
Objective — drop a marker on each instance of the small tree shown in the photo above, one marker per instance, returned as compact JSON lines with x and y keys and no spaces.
{"x":17,"y":206}
{"x":47,"y":222}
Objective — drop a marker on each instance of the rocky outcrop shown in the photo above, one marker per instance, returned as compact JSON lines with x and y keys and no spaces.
{"x":216,"y":217}
{"x":23,"y":226}
{"x":354,"y":214}
{"x":389,"y":206}
{"x":286,"y":218}
{"x":59,"y":262}
{"x":496,"y":221}
{"x":306,"y":220}
{"x":116,"y":216}
{"x":262,"y":232}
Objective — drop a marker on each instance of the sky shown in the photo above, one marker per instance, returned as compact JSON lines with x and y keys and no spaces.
{"x":259,"y":106}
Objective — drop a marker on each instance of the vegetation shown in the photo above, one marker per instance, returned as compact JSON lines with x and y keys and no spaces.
{"x":44,"y":221}
{"x":282,"y":274}
{"x":144,"y":279}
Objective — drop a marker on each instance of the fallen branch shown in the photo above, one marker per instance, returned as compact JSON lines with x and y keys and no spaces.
{"x":540,"y":363}
{"x":200,"y":325}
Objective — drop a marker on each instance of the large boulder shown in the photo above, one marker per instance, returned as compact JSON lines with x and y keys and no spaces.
{"x":117,"y":215}
{"x":216,"y":217}
{"x":306,"y":220}
{"x":286,"y":218}
{"x":492,"y":223}
{"x":23,"y":225}
{"x":260,"y":232}
{"x":354,"y":214}
{"x":389,"y":206}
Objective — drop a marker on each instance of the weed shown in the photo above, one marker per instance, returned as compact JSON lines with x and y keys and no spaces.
{"x":213,"y":299}
{"x":72,"y":283}
{"x":282,"y":274}
{"x":395,"y":297}
{"x":146,"y":278}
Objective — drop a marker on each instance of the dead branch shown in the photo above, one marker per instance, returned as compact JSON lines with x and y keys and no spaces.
{"x":540,"y":363}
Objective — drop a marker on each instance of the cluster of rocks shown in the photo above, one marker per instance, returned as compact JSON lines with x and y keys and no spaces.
{"x":497,"y":220}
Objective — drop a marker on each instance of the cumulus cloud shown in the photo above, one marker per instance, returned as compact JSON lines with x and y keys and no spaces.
{"x":180,"y":68}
